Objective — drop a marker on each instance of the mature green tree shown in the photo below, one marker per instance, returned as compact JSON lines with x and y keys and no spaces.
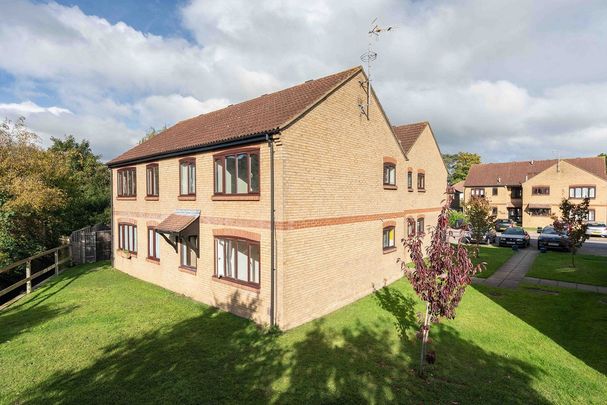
{"x":605,"y":156}
{"x":573,"y":224}
{"x":458,"y":165}
{"x":480,"y":220}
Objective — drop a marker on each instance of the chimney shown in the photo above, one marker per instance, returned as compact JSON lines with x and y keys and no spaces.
{"x":499,"y":180}
{"x":531,"y":162}
{"x":526,"y":177}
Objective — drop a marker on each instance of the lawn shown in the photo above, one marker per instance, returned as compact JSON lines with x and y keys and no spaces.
{"x":96,"y":335}
{"x":557,"y":266}
{"x":493,"y":256}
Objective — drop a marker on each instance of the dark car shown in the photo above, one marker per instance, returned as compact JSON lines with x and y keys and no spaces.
{"x":550,"y":238}
{"x":502,"y":224}
{"x":489,"y":237}
{"x":515,"y":236}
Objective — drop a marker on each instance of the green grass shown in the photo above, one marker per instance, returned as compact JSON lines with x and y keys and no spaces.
{"x":493,"y":256}
{"x":588,"y":269}
{"x":96,"y":335}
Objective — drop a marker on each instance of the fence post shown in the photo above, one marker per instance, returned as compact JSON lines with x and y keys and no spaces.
{"x":56,"y":262}
{"x":28,"y":273}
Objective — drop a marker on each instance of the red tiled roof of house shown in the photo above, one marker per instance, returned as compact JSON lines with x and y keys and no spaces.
{"x":264,"y":114}
{"x":176,"y":223}
{"x":516,"y":173}
{"x":459,"y":186}
{"x":408,"y":134}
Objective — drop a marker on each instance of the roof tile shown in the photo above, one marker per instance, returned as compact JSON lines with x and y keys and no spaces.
{"x":408,"y":134}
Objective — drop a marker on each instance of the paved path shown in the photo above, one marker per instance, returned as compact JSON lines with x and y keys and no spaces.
{"x":512,"y":272}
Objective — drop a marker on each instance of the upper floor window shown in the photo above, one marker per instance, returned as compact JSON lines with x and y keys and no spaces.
{"x":478,"y":192}
{"x":187,"y":177}
{"x":188,"y":251}
{"x":151,"y":172}
{"x":516,"y":192}
{"x":127,"y":237}
{"x":494,"y":191}
{"x":420,"y":226}
{"x":582,"y":192}
{"x":389,"y":174}
{"x":410,"y":180}
{"x":540,"y":190}
{"x":421,"y":181}
{"x":389,"y":237}
{"x":153,"y":244}
{"x":127,"y":182}
{"x":237,"y":259}
{"x":237,"y":173}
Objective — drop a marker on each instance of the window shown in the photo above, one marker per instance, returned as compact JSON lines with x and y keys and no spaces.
{"x":494,"y":211}
{"x":389,"y":174}
{"x":187,"y":177}
{"x":591,"y":215}
{"x":151,"y":172}
{"x":237,"y":259}
{"x":127,"y":237}
{"x":478,"y":192}
{"x":582,"y":192}
{"x":540,"y":190}
{"x":237,"y":173}
{"x":410,"y":180}
{"x":516,"y":192}
{"x":494,"y":191}
{"x":188,"y":251}
{"x":153,"y":244}
{"x":410,"y":226}
{"x":127,"y":182}
{"x":540,"y":212}
{"x":389,"y":240}
{"x":421,"y":181}
{"x":420,"y":226}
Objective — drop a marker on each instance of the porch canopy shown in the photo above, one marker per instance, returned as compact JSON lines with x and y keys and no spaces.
{"x":179,"y":225}
{"x":538,"y":206}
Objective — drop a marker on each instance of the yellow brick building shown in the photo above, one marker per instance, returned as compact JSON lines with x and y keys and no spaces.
{"x":282,"y":208}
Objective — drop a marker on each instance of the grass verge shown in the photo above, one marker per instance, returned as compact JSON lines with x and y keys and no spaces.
{"x":588,"y":269}
{"x":494,"y":256}
{"x":96,"y":335}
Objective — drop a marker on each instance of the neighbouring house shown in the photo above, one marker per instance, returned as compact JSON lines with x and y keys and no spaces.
{"x":282,"y":208}
{"x":457,"y":203}
{"x":530,"y":192}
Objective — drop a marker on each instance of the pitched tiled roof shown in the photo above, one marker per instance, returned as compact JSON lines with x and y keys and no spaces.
{"x":268,"y":113}
{"x":516,"y":173}
{"x":408,"y":134}
{"x":459,"y":186}
{"x":175,"y":223}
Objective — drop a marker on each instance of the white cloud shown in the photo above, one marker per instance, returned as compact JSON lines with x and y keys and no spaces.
{"x":502,"y":79}
{"x":27,"y":108}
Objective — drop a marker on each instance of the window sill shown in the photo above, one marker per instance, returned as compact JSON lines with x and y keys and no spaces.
{"x":186,"y":269}
{"x":186,"y":198}
{"x":421,"y":190}
{"x":151,"y":260}
{"x":390,"y":187}
{"x":410,"y":190}
{"x":151,"y":198}
{"x":237,"y":284}
{"x":235,"y":197}
{"x":127,"y":198}
{"x":126,"y":254}
{"x":389,"y":250}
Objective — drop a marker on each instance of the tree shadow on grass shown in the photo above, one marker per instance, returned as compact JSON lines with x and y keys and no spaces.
{"x":14,"y":322}
{"x":575,"y":320}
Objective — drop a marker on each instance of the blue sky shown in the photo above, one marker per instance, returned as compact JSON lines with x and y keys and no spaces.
{"x":509,"y":80}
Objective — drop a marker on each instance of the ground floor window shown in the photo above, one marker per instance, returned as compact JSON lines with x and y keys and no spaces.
{"x":494,"y":211}
{"x":237,"y":259}
{"x":153,"y":244}
{"x":127,"y":237}
{"x":591,"y":215}
{"x":188,"y":251}
{"x":539,"y":212}
{"x":410,"y":226}
{"x":389,"y":240}
{"x":420,"y":226}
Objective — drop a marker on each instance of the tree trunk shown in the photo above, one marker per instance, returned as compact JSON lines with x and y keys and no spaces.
{"x":424,"y":341}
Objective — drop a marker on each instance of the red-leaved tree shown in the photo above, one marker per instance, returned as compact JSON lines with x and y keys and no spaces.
{"x":440,"y":279}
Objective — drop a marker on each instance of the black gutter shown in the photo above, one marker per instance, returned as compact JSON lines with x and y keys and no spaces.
{"x":198,"y":149}
{"x":270,"y":141}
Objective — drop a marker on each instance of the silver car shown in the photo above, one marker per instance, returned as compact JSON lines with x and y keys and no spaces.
{"x":597,"y":229}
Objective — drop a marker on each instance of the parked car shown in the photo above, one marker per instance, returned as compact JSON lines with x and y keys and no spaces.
{"x":489,"y":238}
{"x":550,"y":238}
{"x":597,"y":229}
{"x":502,"y":224}
{"x":514,"y":236}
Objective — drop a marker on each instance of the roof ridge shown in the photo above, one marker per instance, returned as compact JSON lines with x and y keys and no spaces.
{"x":537,"y":160}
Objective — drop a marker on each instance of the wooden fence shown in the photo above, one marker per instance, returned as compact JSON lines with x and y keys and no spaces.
{"x":28,"y":270}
